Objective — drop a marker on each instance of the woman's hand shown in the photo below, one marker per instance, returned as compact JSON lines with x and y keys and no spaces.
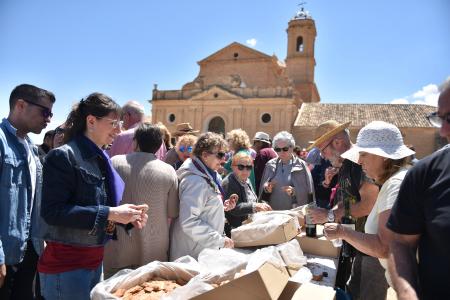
{"x":127,"y":213}
{"x":288,"y":190}
{"x":230,"y":203}
{"x":333,"y":231}
{"x":228,"y":243}
{"x":139,"y":224}
{"x":262,"y":207}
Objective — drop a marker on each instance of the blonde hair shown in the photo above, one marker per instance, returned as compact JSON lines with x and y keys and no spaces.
{"x":238,"y":139}
{"x":167,"y":137}
{"x":187,"y":139}
{"x":242,"y":155}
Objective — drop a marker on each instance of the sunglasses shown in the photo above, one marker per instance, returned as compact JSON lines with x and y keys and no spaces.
{"x":114,"y":123}
{"x":46,"y":112}
{"x":437,"y":120}
{"x":242,"y":167}
{"x":284,"y":149}
{"x":219,"y":155}
{"x":184,"y":149}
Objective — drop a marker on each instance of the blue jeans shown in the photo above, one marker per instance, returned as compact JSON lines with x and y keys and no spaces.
{"x":75,"y":285}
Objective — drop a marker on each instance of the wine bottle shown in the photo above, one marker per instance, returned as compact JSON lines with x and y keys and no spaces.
{"x":347,"y":221}
{"x":310,"y":228}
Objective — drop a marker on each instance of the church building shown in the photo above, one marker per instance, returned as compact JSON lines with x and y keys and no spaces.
{"x":240,"y":87}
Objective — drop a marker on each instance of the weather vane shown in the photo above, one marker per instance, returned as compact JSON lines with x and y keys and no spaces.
{"x":302,"y":5}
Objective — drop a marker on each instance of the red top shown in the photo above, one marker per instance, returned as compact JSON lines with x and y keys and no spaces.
{"x":58,"y":258}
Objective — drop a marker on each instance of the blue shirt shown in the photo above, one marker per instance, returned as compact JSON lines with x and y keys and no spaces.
{"x":17,"y":222}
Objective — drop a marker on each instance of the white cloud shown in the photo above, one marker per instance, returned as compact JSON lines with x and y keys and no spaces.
{"x":428,"y":95}
{"x":251,"y":42}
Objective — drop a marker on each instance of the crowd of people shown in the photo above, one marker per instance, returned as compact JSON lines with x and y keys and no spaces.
{"x":108,"y":190}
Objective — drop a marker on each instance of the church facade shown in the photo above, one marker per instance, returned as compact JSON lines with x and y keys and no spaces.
{"x":240,"y":87}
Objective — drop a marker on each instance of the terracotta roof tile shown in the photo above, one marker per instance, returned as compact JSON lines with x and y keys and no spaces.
{"x":401,"y":115}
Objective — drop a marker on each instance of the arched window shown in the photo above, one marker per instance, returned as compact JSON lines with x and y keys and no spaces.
{"x":217,"y":125}
{"x":300,"y":47}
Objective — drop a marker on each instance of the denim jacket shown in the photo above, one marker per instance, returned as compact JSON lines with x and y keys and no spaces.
{"x":16,"y":224}
{"x":75,"y":203}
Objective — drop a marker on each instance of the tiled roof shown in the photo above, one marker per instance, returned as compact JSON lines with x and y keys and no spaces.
{"x":401,"y":115}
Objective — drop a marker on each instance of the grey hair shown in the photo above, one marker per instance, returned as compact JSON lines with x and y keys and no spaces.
{"x":133,"y":107}
{"x":283,"y":136}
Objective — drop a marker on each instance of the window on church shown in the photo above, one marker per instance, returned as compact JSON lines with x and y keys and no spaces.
{"x":266,"y":118}
{"x":300,"y":46}
{"x":171,"y":118}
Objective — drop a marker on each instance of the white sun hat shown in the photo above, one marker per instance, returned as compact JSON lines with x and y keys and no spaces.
{"x":379,"y":138}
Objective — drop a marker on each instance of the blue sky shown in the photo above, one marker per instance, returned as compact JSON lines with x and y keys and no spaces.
{"x":366,"y":51}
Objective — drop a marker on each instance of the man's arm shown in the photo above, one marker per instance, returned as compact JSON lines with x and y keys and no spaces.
{"x":402,"y":265}
{"x":369,"y":194}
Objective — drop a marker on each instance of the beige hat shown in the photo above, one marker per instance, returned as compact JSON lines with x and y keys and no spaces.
{"x":185,"y":128}
{"x":327,"y":130}
{"x":262,"y":136}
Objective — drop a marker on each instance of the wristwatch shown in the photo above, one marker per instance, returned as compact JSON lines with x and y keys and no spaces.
{"x":330,"y":216}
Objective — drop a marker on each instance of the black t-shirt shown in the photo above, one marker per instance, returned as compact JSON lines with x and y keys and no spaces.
{"x":423,"y":207}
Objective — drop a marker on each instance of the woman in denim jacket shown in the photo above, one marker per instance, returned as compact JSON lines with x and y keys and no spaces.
{"x":80,"y":201}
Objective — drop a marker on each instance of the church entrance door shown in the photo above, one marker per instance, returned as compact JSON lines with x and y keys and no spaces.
{"x":217,"y":125}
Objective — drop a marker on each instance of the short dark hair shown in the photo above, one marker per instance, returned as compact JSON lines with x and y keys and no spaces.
{"x":49,"y":134}
{"x":148,"y":137}
{"x":208,"y":142}
{"x":31,"y":93}
{"x":96,"y":104}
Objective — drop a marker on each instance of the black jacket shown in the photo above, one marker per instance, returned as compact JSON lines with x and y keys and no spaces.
{"x":243,"y":208}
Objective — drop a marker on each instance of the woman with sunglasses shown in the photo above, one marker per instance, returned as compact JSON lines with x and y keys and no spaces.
{"x":286,"y":180}
{"x":238,"y":183}
{"x":81,"y":196}
{"x":201,"y":219}
{"x":182,"y":151}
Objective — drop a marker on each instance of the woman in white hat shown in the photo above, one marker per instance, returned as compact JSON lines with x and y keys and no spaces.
{"x":383,"y":156}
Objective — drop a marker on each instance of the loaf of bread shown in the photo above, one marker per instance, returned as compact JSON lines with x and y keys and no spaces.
{"x":150,"y":290}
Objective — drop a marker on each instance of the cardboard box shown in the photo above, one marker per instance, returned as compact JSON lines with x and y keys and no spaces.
{"x":318,"y":245}
{"x":313,"y":291}
{"x":283,"y":233}
{"x":317,"y":265}
{"x":268,"y":282}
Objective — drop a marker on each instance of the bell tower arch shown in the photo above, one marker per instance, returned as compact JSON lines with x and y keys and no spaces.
{"x":300,"y":60}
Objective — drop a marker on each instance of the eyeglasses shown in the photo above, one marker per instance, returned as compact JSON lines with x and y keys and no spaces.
{"x":437,"y":120}
{"x":46,"y":112}
{"x":219,"y":155}
{"x":285,"y":149}
{"x":184,"y":149}
{"x":242,"y":167}
{"x":326,"y":146}
{"x":114,"y":123}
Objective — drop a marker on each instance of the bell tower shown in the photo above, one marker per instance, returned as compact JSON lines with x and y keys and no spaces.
{"x":300,"y":61}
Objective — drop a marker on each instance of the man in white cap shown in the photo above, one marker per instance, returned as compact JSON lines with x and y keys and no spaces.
{"x":421,"y":220}
{"x":264,"y":153}
{"x":333,"y":139}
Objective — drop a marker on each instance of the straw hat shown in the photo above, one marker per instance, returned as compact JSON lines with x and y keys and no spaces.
{"x":262,"y":136}
{"x":379,"y":138}
{"x":185,"y":128}
{"x":326,"y":130}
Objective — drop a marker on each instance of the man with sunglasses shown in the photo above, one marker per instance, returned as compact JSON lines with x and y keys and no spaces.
{"x":332,"y":140}
{"x":20,"y":189}
{"x":420,"y":219}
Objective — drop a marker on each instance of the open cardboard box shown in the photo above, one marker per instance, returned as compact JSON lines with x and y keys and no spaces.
{"x":313,"y":291}
{"x":318,"y":245}
{"x":268,"y":282}
{"x":283,"y":233}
